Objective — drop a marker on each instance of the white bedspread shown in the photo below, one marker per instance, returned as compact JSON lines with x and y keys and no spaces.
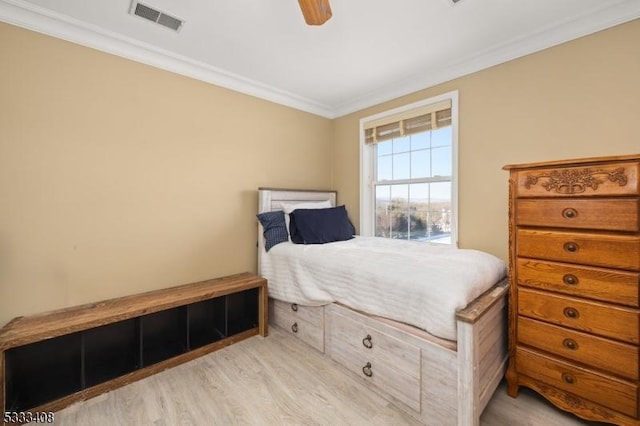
{"x":412,"y":282}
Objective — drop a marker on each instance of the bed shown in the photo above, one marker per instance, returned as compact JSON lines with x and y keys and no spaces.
{"x":348,"y":299}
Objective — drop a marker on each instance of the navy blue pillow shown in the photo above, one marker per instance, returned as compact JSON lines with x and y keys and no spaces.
{"x":275,"y":230}
{"x":319,"y":226}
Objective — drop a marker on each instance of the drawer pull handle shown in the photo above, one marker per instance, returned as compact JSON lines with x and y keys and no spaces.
{"x":570,"y":279}
{"x":294,"y":307}
{"x":571,"y":313}
{"x":294,"y":327}
{"x":367,"y":342}
{"x":571,"y":247}
{"x":366,"y":370}
{"x":570,"y":344}
{"x":570,"y":213}
{"x":568,"y":378}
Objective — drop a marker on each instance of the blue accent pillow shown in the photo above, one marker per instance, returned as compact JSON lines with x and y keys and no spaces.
{"x":319,"y":226}
{"x":275,"y":230}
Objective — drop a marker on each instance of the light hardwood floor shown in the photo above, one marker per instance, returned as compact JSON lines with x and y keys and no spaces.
{"x":276,"y":380}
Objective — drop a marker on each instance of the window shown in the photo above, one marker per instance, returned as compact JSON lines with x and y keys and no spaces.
{"x":408,"y":172}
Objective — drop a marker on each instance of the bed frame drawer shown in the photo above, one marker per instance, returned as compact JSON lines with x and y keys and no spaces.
{"x":304,"y":322}
{"x":388,"y":363}
{"x":312,"y":314}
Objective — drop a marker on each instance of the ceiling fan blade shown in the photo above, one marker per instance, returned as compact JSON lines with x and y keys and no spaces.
{"x":315,"y":12}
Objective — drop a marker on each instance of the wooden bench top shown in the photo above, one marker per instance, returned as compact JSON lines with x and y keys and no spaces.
{"x":29,"y":329}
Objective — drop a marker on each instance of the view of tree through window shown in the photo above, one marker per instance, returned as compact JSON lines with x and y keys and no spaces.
{"x":413,"y":187}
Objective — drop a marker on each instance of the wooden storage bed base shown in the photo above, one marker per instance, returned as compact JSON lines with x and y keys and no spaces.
{"x":435,"y":381}
{"x":449,"y":384}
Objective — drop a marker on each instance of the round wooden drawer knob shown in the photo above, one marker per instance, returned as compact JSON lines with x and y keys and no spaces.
{"x":571,"y":247}
{"x":570,"y":279}
{"x":571,"y":313}
{"x":570,"y":344}
{"x":570,"y":213}
{"x":569,"y":379}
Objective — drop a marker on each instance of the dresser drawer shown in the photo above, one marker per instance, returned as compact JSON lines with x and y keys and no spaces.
{"x":614,"y":214}
{"x":612,"y":321}
{"x":617,"y":358}
{"x":297,"y":322}
{"x":602,"y":180}
{"x":614,"y":251}
{"x":389,"y":363}
{"x":609,"y":391}
{"x":594,"y":283}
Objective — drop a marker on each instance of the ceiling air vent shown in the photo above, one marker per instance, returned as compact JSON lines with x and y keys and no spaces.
{"x":154,"y":15}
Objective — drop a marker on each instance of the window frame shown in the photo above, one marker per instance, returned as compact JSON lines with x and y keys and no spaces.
{"x":368,"y":165}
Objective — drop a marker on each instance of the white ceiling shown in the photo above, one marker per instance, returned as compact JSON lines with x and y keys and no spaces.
{"x":370,"y":51}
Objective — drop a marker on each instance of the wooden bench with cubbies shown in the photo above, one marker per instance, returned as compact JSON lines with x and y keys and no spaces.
{"x":50,"y":360}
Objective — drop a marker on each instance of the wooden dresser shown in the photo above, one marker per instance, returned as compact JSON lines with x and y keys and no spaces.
{"x":574,"y":317}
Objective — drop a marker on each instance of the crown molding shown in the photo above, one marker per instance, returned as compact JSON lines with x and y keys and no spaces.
{"x":560,"y":32}
{"x":27,"y":15}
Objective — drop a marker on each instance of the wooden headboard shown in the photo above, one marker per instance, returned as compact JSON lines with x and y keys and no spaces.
{"x":271,"y":199}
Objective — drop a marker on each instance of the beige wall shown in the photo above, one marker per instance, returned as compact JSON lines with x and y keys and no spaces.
{"x":579,"y":99}
{"x":117,"y":178}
